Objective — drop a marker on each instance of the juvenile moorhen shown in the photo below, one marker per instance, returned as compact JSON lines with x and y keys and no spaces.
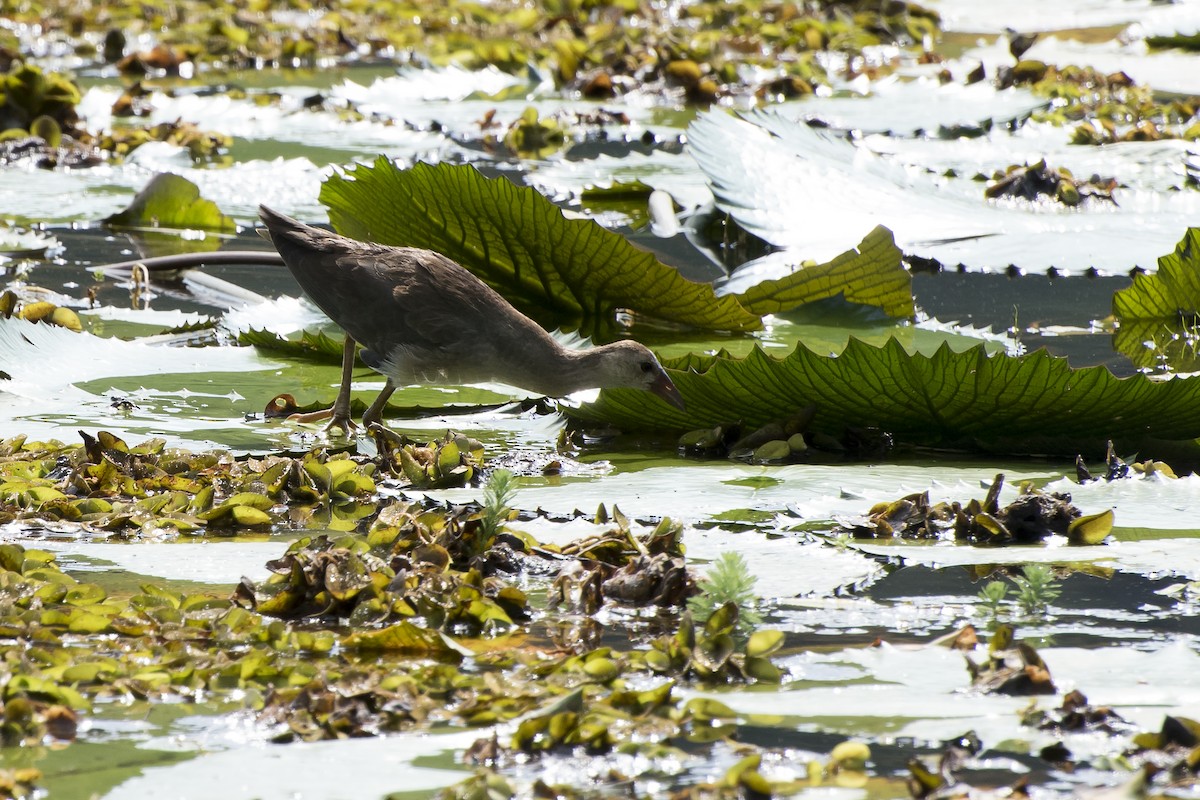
{"x":422,"y":318}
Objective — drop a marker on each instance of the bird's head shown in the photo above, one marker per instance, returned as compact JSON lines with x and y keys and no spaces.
{"x":628,"y":364}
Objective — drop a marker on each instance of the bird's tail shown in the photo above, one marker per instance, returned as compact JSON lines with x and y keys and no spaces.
{"x":277,"y":224}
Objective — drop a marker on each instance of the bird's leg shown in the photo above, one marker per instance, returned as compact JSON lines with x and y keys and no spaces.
{"x":386,"y":439}
{"x":339,"y":415}
{"x":374,"y":415}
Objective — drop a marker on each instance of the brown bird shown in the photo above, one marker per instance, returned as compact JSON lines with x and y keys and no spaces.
{"x":422,"y":318}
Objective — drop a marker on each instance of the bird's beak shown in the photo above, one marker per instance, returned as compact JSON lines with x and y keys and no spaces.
{"x":663,"y":387}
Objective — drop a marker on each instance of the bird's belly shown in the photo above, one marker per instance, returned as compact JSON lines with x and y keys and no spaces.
{"x":410,"y":367}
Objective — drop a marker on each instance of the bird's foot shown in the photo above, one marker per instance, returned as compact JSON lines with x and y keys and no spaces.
{"x":343,"y":422}
{"x":336,"y":420}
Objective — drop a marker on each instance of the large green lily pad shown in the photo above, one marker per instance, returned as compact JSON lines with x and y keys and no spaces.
{"x":964,"y":399}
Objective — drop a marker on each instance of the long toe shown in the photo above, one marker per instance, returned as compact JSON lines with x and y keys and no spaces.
{"x":336,"y":420}
{"x":343,"y":422}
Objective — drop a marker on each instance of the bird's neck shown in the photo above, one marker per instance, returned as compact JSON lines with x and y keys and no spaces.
{"x":558,"y":371}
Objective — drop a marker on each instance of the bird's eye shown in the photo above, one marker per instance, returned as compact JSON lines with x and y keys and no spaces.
{"x":647,"y":366}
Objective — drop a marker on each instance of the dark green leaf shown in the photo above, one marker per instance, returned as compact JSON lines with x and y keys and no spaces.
{"x":872,"y":275}
{"x":967,"y":399}
{"x":316,"y":346}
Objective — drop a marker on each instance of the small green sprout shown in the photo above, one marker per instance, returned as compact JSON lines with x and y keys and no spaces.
{"x":728,"y":580}
{"x":992,"y":595}
{"x":498,"y":496}
{"x":1036,"y":589}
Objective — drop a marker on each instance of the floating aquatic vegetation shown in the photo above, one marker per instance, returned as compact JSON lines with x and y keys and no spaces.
{"x":783,"y":442}
{"x":161,"y":59}
{"x":1032,"y":517}
{"x":20,"y":783}
{"x":728,"y":580}
{"x":106,"y":485}
{"x":535,"y":137}
{"x":28,"y":94}
{"x":38,"y":121}
{"x":1116,"y":468}
{"x":1076,"y":715}
{"x":391,"y":594}
{"x":39,"y":311}
{"x":711,"y":653}
{"x":384,"y":582}
{"x":1105,"y":107}
{"x":1011,"y":667}
{"x":739,"y":49}
{"x":454,"y":460}
{"x":1037,"y":181}
{"x":203,"y":146}
{"x":622,"y":566}
{"x":929,"y":779}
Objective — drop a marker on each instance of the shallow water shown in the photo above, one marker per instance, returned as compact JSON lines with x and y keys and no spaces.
{"x":859,"y":616}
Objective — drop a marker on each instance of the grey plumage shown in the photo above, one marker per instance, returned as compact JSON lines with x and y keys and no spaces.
{"x":422,"y":318}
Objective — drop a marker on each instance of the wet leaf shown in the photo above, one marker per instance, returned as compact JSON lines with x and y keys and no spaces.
{"x":706,"y":709}
{"x":1168,"y":294}
{"x":1157,"y":314}
{"x":763,"y":670}
{"x":1091,"y":529}
{"x":601,"y":670}
{"x":315,"y":346}
{"x":249,"y":516}
{"x":763,"y":643}
{"x":849,"y":755}
{"x":404,"y":637}
{"x":250,"y":500}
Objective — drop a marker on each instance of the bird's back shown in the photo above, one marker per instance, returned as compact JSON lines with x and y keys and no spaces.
{"x":405,"y":304}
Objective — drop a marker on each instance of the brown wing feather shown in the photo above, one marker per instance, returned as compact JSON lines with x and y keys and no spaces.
{"x":397,"y":297}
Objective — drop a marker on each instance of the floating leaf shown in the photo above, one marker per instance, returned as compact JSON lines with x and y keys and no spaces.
{"x":406,"y":638}
{"x":803,"y":189}
{"x":849,"y":755}
{"x":171,"y":201}
{"x":1091,"y":529}
{"x":763,"y":643}
{"x":249,"y":516}
{"x":50,"y":313}
{"x":970,"y":399}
